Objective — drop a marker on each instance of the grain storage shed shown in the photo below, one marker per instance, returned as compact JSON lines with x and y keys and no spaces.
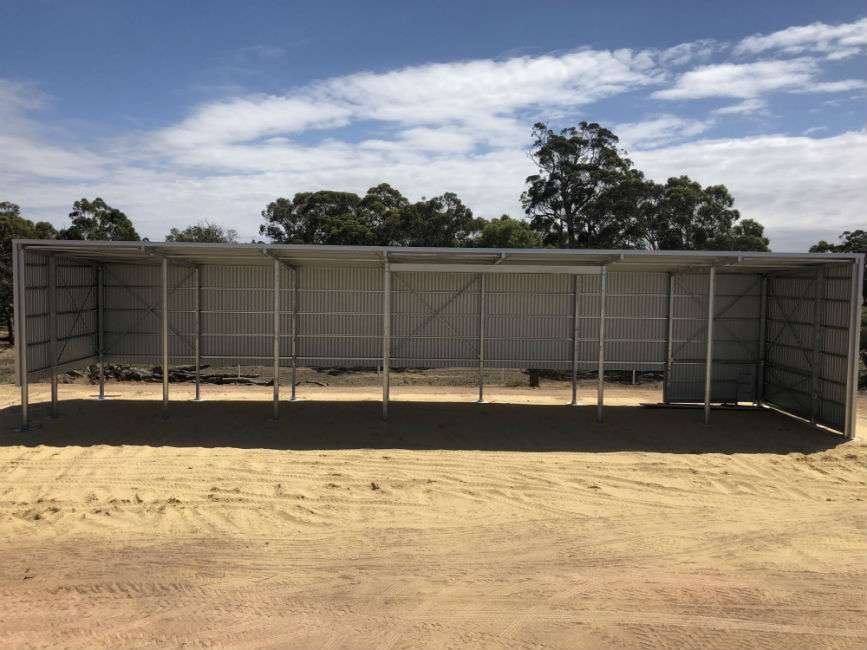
{"x":774,"y":329}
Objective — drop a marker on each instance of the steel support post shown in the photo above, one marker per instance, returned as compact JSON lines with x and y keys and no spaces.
{"x":164,"y":332}
{"x":197,"y":279}
{"x":100,"y":327}
{"x":386,"y":334}
{"x":21,"y":335}
{"x":708,"y":363}
{"x":855,"y":300}
{"x":295,"y":294}
{"x":818,"y":296}
{"x":276,"y":341}
{"x":481,"y":399}
{"x":763,"y":336}
{"x":52,"y":329}
{"x":669,"y":338}
{"x":600,"y":382}
{"x":574,"y":401}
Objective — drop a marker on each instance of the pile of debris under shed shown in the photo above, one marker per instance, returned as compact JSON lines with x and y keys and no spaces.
{"x":178,"y":374}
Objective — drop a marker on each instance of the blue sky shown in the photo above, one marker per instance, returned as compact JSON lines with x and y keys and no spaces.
{"x":178,"y":112}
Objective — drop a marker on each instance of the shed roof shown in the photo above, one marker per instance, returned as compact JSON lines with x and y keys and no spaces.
{"x":505,"y":259}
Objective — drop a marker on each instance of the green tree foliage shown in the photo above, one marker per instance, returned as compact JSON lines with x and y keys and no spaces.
{"x":382,"y":217}
{"x":748,"y":235}
{"x":386,"y":207}
{"x":96,"y":220}
{"x":569,"y":199}
{"x":851,"y":241}
{"x":506,"y":232}
{"x":588,"y":194}
{"x":324,"y":217}
{"x":204,"y":232}
{"x":14,"y":226}
{"x":441,"y":221}
{"x":683,"y":215}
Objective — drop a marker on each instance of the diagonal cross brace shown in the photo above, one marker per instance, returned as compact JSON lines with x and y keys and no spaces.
{"x":79,"y":312}
{"x":150,"y":309}
{"x":703,"y":328}
{"x":787,"y":324}
{"x":435,"y":312}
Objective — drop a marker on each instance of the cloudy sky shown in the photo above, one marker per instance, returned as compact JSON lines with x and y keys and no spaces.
{"x":211,"y":110}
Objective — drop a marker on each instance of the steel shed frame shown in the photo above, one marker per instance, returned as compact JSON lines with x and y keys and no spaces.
{"x":776,"y":329}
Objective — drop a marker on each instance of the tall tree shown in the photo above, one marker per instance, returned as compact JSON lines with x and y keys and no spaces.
{"x":96,"y":220}
{"x":323,"y":217}
{"x":748,"y":235}
{"x":385,"y":207}
{"x":506,"y":232}
{"x":440,"y":221}
{"x":568,"y":199}
{"x":683,"y":215}
{"x":14,"y":226}
{"x":383,"y":217}
{"x":204,"y":232}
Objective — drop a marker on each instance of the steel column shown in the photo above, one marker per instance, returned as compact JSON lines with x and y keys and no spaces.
{"x":198,"y":344}
{"x":294,"y":329}
{"x":600,"y":382}
{"x":763,"y":335}
{"x":481,"y":399}
{"x":574,"y":401}
{"x":818,"y":296}
{"x":164,"y":332}
{"x":52,"y":329}
{"x":276,"y":341}
{"x":21,"y":334}
{"x":386,"y":334}
{"x":669,"y":338}
{"x":855,"y":300}
{"x":708,"y":364}
{"x":100,"y":328}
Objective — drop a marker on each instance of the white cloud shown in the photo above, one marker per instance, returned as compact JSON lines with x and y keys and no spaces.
{"x":746,"y":107}
{"x":740,"y":79}
{"x":659,"y":130}
{"x":689,"y":52}
{"x":834,"y":41}
{"x":835,"y":86}
{"x":480,"y":96}
{"x":747,"y":80}
{"x":795,"y":186}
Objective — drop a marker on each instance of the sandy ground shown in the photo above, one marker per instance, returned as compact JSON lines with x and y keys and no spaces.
{"x":520,"y":523}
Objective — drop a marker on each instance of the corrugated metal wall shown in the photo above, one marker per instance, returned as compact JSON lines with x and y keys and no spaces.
{"x":737,"y":307}
{"x":807,"y":340}
{"x":75,"y":309}
{"x":333,"y":317}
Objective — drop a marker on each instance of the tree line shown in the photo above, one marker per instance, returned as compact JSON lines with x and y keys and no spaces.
{"x":586,"y":193}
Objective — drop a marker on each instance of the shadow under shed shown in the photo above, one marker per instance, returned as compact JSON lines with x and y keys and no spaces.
{"x":313,"y":425}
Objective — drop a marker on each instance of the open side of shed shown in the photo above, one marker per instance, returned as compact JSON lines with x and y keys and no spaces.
{"x":779,"y":330}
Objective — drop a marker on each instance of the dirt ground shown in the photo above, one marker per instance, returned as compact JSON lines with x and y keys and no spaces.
{"x":519,"y":523}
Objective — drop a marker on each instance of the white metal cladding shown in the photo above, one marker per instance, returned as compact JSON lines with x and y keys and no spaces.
{"x":806,"y":345}
{"x":636,"y":326}
{"x":735,"y":340}
{"x":339,"y":317}
{"x":75,"y":313}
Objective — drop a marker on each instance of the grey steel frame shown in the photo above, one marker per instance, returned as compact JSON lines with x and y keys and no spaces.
{"x":20,"y":293}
